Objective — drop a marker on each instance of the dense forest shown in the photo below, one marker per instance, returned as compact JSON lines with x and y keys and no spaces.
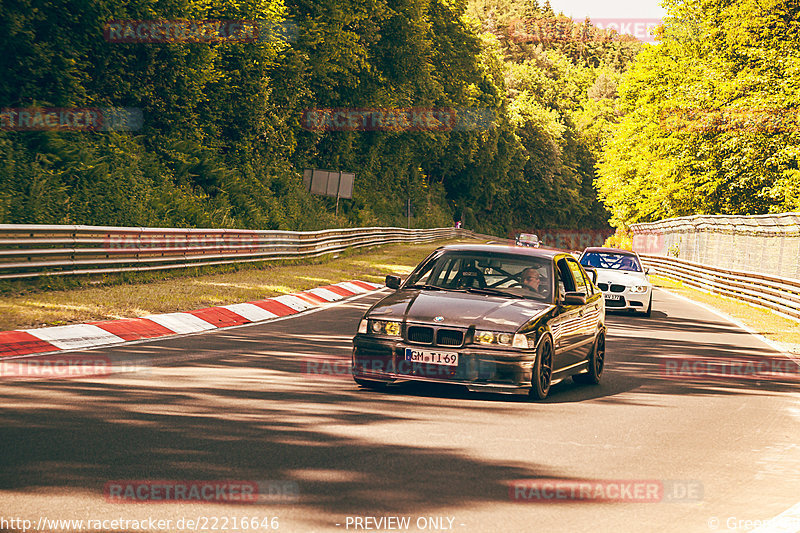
{"x":222,"y":143}
{"x":706,"y":121}
{"x":709,"y":117}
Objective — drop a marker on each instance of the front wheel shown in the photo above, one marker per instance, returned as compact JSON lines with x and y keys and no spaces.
{"x":542,"y":370}
{"x":649,"y":307}
{"x":597,"y":362}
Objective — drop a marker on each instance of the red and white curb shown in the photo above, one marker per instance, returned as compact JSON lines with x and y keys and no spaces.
{"x":77,"y":336}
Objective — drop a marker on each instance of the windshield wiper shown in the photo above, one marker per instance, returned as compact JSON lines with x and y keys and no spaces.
{"x":494,"y":292}
{"x":425,"y":286}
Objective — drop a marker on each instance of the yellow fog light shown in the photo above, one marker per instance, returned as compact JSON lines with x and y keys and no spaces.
{"x":484,"y":337}
{"x":392,"y":328}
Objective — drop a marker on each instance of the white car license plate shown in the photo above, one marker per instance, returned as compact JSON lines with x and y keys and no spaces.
{"x":612,"y":296}
{"x":431,"y":357}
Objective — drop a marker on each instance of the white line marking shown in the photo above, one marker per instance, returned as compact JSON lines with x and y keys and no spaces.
{"x":298,"y":304}
{"x":772,"y":344}
{"x":325,"y":294}
{"x":181,"y":322}
{"x":786,"y":522}
{"x":75,"y":336}
{"x":352,"y":287}
{"x":322,"y":307}
{"x":251,"y":312}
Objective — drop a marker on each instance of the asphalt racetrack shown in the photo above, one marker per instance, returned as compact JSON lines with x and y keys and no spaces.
{"x":681,"y":435}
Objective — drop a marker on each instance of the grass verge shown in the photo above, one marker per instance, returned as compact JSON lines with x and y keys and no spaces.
{"x":784,"y":331}
{"x":38,"y":305}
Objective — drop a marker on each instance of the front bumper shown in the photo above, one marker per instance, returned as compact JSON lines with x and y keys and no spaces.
{"x":626,"y":300}
{"x":488,"y":370}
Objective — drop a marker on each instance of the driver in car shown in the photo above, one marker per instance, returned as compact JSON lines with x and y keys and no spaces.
{"x":532,"y":280}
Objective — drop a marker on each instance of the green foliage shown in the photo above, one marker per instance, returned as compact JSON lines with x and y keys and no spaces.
{"x":222,"y":143}
{"x":710,"y":120}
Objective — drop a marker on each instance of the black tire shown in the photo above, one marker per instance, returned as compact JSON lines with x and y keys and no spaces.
{"x":597,"y":361}
{"x":542,"y":373}
{"x":369,"y":384}
{"x":649,"y":307}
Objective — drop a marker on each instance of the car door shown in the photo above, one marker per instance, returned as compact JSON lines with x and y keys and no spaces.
{"x":567,"y":332}
{"x":588,"y":314}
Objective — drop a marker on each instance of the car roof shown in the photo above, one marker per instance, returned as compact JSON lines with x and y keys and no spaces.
{"x":502,"y":248}
{"x":604,"y":250}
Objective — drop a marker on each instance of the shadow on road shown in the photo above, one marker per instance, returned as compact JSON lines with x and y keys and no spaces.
{"x":257,"y":413}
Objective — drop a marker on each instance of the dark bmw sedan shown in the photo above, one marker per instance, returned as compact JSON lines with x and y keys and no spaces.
{"x":493,"y":318}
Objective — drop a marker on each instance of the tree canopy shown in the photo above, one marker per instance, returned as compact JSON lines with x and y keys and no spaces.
{"x":709,"y":116}
{"x":223,"y":143}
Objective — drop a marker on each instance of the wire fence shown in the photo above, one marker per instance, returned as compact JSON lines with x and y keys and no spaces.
{"x":762,"y":244}
{"x":755,"y":259}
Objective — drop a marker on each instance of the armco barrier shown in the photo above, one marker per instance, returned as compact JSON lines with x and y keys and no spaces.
{"x":39,"y":250}
{"x":764,"y":290}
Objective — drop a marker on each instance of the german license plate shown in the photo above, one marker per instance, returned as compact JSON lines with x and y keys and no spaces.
{"x":431,"y":357}
{"x":612,"y":296}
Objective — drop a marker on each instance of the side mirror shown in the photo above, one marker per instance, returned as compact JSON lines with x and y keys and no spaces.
{"x":393,"y":282}
{"x":593,"y":273}
{"x":574,"y":298}
{"x":646,"y":270}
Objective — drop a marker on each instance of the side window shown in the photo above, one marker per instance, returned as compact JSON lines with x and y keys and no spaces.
{"x":577,"y":273}
{"x":566,"y":283}
{"x":589,"y":286}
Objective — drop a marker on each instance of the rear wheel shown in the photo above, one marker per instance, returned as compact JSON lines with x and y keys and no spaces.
{"x":542,"y":370}
{"x":597,"y":361}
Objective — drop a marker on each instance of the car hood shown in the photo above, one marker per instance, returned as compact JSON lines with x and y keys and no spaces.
{"x":621,"y":277}
{"x":459,"y":309}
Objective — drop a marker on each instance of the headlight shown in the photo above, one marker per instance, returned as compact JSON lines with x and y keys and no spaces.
{"x":638,"y":289}
{"x":517,"y":340}
{"x":384,"y":327}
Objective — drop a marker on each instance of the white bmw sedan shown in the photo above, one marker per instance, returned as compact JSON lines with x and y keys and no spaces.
{"x":621,"y":278}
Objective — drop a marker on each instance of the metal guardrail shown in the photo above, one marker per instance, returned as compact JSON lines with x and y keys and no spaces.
{"x":763,"y":290}
{"x":28,"y":251}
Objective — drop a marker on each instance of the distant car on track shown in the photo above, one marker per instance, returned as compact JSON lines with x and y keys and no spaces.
{"x":492,"y":318}
{"x":527,"y":239}
{"x":621,"y":278}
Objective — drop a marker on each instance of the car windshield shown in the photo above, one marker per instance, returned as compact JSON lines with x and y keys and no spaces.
{"x":514,"y":276}
{"x":611,"y":261}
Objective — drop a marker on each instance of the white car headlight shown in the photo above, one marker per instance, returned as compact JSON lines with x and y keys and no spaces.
{"x":517,"y":340}
{"x":638,"y":289}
